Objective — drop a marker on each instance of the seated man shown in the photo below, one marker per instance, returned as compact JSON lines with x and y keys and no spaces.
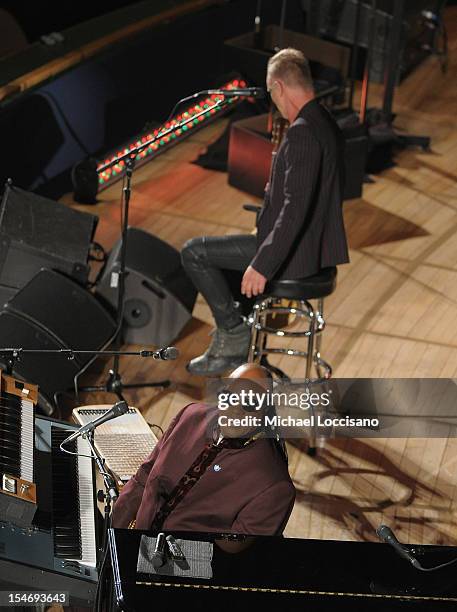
{"x":300,"y":228}
{"x":236,"y":482}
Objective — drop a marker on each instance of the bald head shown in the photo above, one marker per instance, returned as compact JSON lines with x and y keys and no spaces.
{"x":249,"y":386}
{"x":255,"y":372}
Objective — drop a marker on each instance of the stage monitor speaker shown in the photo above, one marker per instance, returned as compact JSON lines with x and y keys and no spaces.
{"x":159,"y":297}
{"x":39,"y":233}
{"x":53,"y":312}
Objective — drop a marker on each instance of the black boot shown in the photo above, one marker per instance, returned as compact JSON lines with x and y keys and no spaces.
{"x":228,"y":349}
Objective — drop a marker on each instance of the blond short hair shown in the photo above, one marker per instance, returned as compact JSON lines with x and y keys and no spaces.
{"x":292,"y":67}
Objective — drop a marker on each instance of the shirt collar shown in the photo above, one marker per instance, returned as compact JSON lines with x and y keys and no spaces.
{"x":218,"y":438}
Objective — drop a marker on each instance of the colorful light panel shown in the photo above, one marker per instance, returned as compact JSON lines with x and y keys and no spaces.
{"x":203,"y":111}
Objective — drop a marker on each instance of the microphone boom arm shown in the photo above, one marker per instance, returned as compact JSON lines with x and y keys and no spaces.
{"x":16,"y":352}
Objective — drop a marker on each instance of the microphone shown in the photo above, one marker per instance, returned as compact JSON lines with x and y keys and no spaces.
{"x":387,"y":535}
{"x":176,"y":553}
{"x":165,"y":354}
{"x":117,"y":410}
{"x":158,"y":557}
{"x":175,"y":550}
{"x":249,"y":92}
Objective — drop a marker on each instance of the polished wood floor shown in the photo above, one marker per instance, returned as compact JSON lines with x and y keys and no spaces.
{"x":394,"y":313}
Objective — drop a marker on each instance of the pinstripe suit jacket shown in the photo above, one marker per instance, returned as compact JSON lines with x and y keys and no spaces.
{"x":300,"y":228}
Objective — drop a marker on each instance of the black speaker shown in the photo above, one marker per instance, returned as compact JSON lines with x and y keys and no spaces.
{"x":53,"y":312}
{"x":159,"y":297}
{"x":39,"y":233}
{"x":355,"y":155}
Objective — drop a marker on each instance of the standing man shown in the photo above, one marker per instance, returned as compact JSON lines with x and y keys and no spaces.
{"x":300,"y":227}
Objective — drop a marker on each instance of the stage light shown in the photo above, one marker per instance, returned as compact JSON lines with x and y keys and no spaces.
{"x":91,"y":176}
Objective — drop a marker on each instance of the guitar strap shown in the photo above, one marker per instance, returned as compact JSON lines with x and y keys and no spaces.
{"x":194,"y":473}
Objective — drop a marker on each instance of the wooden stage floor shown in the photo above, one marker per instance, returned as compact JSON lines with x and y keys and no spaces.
{"x":394,"y":313}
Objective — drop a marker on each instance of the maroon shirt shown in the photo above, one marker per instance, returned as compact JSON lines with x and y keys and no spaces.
{"x":250,"y":491}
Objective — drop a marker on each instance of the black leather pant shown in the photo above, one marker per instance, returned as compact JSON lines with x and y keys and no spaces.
{"x":205,"y":260}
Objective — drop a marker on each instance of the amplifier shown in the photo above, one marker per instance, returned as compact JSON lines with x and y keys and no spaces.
{"x":250,"y":152}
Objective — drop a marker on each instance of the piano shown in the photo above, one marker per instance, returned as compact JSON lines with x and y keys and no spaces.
{"x":17,"y":488}
{"x":288,"y":574}
{"x":58,"y":550}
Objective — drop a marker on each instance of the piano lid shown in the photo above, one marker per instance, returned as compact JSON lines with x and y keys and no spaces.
{"x":290,"y":572}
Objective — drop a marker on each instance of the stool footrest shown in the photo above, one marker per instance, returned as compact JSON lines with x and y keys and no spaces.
{"x":281,"y":332}
{"x":284,"y":351}
{"x":260,"y":331}
{"x":286,"y":310}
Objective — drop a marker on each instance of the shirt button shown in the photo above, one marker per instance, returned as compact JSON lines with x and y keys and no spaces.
{"x":217,"y":468}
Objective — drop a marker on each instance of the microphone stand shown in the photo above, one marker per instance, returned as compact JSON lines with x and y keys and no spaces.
{"x":355,"y":54}
{"x":257,"y":26}
{"x":368,"y":59}
{"x":111,"y":490}
{"x":114,"y":383}
{"x":109,"y":497}
{"x":13,"y":354}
